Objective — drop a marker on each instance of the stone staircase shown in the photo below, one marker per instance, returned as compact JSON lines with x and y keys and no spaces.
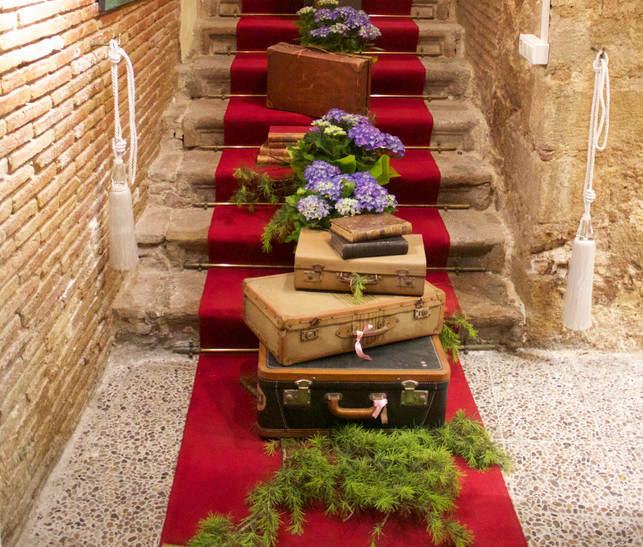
{"x":160,"y":299}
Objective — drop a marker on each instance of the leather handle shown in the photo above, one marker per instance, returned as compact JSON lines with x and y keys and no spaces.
{"x":373,"y":332}
{"x":348,"y":413}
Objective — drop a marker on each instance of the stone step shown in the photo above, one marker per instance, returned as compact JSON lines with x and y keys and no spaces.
{"x":436,"y":38}
{"x":436,"y":9}
{"x":161,"y":307}
{"x":183,"y":177}
{"x":170,"y":237}
{"x":455,"y":124}
{"x":209,"y":75}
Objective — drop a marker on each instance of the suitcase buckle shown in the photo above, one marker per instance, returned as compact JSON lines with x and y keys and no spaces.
{"x":422,"y":313}
{"x":299,"y":396}
{"x":412,"y":396}
{"x":404,"y":279}
{"x":314,"y":275}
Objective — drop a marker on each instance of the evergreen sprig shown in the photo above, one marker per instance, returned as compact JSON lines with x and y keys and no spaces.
{"x":255,"y":186}
{"x":450,"y":337}
{"x":358,"y":284}
{"x":408,"y":473}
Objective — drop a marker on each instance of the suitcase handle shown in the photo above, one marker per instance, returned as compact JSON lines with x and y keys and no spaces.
{"x":387,"y":324}
{"x":371,"y":279}
{"x":347,"y":413}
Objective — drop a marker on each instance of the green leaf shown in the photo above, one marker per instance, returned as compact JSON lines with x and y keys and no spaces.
{"x":347,"y":164}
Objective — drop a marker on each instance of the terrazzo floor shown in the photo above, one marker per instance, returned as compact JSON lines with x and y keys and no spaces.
{"x":571,"y":421}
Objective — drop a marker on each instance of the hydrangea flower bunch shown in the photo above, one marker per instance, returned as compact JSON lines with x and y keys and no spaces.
{"x":329,"y":193}
{"x":350,"y":141}
{"x":343,"y":29}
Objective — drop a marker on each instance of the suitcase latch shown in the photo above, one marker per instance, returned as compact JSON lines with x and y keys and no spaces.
{"x":422,"y":313}
{"x":299,"y":396}
{"x":314,"y":275}
{"x":309,"y":335}
{"x":404,"y":279}
{"x":412,"y":396}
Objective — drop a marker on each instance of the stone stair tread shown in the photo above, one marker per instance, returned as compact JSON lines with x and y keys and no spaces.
{"x":462,"y":169}
{"x":486,"y":299}
{"x":189,"y":225}
{"x":163,"y":304}
{"x":450,"y":118}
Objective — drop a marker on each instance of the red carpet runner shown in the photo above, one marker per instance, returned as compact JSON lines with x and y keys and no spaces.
{"x":221,"y":457}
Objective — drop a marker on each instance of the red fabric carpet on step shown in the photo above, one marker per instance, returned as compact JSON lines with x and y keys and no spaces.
{"x":221,"y":457}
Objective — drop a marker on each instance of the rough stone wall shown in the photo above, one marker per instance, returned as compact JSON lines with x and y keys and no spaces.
{"x":56,"y":289}
{"x":539,"y":120}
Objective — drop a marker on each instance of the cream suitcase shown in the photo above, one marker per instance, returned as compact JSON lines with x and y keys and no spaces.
{"x":319,"y":267}
{"x":297,"y":325}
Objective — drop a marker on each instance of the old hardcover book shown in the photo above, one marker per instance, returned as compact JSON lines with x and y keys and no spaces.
{"x":413,"y":376}
{"x":371,"y":247}
{"x":289,"y":134}
{"x":298,"y":325}
{"x":311,"y":82}
{"x":366,"y":227}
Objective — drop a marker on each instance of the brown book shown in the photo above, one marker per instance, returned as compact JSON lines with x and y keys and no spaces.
{"x":365,"y":227}
{"x":385,"y":246}
{"x":288,"y":134}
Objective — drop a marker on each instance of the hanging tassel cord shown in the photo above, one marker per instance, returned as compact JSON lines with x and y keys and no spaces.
{"x":119,"y":145}
{"x":598,"y":124}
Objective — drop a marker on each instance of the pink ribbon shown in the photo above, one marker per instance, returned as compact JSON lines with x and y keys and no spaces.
{"x":358,"y":343}
{"x":379,"y":406}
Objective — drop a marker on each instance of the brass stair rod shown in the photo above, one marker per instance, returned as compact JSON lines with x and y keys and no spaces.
{"x":248,"y":51}
{"x":224,"y":96}
{"x":195,"y":351}
{"x":217,"y":147}
{"x":372,"y":16}
{"x":209,"y":266}
{"x":209,"y":204}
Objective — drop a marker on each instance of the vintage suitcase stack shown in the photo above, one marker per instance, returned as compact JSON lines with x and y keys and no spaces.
{"x":326,"y":361}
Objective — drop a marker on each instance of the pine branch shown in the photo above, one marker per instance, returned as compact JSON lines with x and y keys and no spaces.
{"x":449,"y":335}
{"x":358,"y":284}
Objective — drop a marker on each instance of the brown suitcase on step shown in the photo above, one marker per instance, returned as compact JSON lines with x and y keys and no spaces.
{"x":312,"y":82}
{"x":300,"y":325}
{"x":318,"y":267}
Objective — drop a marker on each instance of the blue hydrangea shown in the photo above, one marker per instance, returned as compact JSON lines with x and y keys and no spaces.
{"x":370,"y":195}
{"x":323,"y":15}
{"x":313,"y":207}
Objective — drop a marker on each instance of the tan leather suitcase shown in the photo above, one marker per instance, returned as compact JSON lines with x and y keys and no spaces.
{"x":320,"y":267}
{"x":300,"y":325}
{"x":311,"y":82}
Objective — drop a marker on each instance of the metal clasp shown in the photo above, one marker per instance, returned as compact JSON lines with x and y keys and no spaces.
{"x":412,"y":396}
{"x":299,"y":396}
{"x":404,"y":279}
{"x":314,"y":275}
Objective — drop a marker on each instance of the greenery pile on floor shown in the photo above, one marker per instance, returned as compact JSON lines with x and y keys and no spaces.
{"x":404,"y":472}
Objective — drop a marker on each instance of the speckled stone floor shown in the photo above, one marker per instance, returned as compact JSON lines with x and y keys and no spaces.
{"x":571,"y":421}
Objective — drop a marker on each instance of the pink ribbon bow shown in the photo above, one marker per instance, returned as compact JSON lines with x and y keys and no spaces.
{"x":358,"y":343}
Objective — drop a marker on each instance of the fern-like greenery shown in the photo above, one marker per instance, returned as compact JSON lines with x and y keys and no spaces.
{"x":358,"y":284}
{"x":255,"y":187}
{"x":450,"y":334}
{"x":407,"y":473}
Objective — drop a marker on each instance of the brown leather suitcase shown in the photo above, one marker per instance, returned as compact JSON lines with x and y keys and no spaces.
{"x":315,"y":396}
{"x":311,"y":82}
{"x":319,"y":267}
{"x":299,"y":325}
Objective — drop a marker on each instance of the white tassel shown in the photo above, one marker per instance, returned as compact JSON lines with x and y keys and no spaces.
{"x":577,"y":308}
{"x":123,"y":250}
{"x":577,"y":312}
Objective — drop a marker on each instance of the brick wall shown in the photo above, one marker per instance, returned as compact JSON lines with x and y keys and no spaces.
{"x":539,"y":120}
{"x":56,"y":289}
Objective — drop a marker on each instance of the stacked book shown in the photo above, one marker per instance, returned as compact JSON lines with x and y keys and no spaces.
{"x":275,"y":149}
{"x":325,"y":360}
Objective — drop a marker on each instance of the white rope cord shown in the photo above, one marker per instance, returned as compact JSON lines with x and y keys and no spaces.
{"x":118,"y":143}
{"x":599,"y":123}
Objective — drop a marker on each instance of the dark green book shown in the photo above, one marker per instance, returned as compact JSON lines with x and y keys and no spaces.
{"x":396,"y":245}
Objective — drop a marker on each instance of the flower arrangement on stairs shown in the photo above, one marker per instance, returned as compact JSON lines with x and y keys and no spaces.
{"x":338,"y":169}
{"x":339,"y":29}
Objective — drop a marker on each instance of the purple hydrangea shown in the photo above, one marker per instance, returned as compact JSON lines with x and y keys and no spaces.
{"x":320,"y":170}
{"x":370,"y":195}
{"x":344,"y":119}
{"x":347,"y":207}
{"x":371,"y":138}
{"x":313,"y":207}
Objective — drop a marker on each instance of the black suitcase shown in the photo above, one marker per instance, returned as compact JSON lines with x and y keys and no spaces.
{"x":315,"y":396}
